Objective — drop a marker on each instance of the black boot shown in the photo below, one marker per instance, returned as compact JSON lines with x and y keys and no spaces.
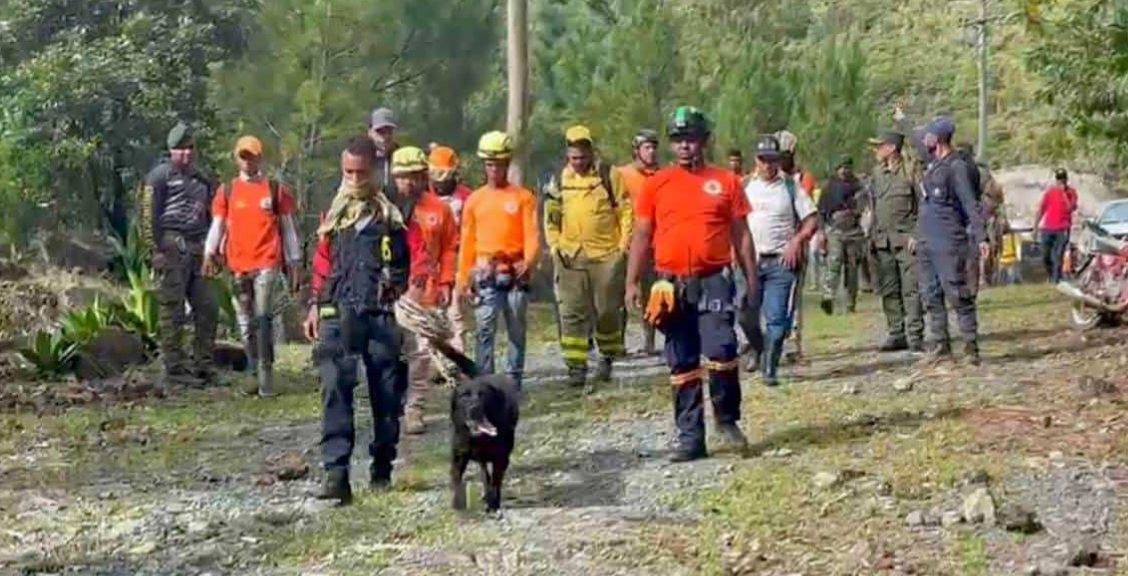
{"x":769,"y":365}
{"x":893,"y":344}
{"x":380,"y":477}
{"x":827,"y":306}
{"x":577,"y":376}
{"x":688,"y":454}
{"x":336,"y":487}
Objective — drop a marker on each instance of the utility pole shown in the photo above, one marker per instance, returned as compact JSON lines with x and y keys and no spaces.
{"x":981,"y":147}
{"x":518,"y":64}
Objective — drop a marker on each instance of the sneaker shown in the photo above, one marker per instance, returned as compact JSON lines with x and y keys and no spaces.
{"x":827,"y":306}
{"x":603,"y":369}
{"x":336,"y":487}
{"x":893,"y":344}
{"x":732,"y":435}
{"x":413,"y":421}
{"x":686,"y":454}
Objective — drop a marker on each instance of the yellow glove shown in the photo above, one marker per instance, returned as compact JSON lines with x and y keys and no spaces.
{"x":661,"y":302}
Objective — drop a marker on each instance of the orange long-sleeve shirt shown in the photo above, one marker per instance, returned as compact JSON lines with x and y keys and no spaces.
{"x":433,"y":239}
{"x":499,"y":222}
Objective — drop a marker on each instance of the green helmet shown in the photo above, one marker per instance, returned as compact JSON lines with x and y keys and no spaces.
{"x":688,"y":120}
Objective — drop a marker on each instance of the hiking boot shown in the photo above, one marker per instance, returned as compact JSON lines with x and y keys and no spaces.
{"x":577,"y":377}
{"x":893,"y":344}
{"x":413,"y":421}
{"x":380,"y":477}
{"x":336,"y":487}
{"x":827,"y":306}
{"x":971,"y":353}
{"x":732,"y":436}
{"x":603,"y":369}
{"x":688,"y":454}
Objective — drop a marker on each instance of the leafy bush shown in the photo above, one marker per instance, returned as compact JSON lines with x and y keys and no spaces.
{"x":82,"y":326}
{"x":131,"y":255}
{"x":51,"y":353}
{"x":140,"y":310}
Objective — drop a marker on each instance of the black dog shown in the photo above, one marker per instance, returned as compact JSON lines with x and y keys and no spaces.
{"x":483,"y":414}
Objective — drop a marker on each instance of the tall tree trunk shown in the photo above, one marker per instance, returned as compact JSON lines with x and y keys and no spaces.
{"x":518,"y":52}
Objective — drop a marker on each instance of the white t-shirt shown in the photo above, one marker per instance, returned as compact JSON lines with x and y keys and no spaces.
{"x":773,"y":219}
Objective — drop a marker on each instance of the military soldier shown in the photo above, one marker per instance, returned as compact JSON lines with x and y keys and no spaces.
{"x":588,"y":230}
{"x":693,"y":215}
{"x":841,"y":216}
{"x":893,"y":189}
{"x":360,"y":268}
{"x":179,"y":209}
{"x":950,"y":227}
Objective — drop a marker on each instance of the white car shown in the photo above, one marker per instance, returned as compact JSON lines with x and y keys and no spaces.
{"x":1114,"y":218}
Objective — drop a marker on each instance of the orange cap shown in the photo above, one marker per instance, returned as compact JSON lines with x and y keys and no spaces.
{"x":249,"y":144}
{"x":443,"y":158}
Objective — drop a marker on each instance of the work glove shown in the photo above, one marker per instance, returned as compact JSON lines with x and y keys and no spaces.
{"x":661,"y":303}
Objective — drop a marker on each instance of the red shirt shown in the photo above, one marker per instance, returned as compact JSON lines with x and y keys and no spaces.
{"x":1058,"y":205}
{"x":253,"y":240}
{"x":432,"y":237}
{"x":692,"y":214}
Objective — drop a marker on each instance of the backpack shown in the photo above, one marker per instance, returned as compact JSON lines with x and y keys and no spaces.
{"x":551,"y":186}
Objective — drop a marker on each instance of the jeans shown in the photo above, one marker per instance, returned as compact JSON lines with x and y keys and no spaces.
{"x":512,"y":304}
{"x":1054,"y":244}
{"x":771,"y":308}
{"x":255,"y":303}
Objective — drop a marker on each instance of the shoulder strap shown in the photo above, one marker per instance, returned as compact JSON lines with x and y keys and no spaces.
{"x":605,"y":178}
{"x":274,"y":187}
{"x":789,"y":183}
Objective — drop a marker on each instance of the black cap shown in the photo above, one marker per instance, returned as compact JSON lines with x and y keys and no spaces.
{"x":1061,"y":175}
{"x":768,"y":148}
{"x":889,"y":137}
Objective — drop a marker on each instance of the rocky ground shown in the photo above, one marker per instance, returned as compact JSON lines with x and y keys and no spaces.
{"x":862,"y":463}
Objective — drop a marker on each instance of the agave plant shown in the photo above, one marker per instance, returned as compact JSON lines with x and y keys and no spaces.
{"x":140,"y":313}
{"x":132,"y":253}
{"x":82,"y":326}
{"x":51,"y":353}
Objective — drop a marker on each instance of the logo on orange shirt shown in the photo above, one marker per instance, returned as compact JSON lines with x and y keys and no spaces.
{"x":713,"y":188}
{"x":511,"y":207}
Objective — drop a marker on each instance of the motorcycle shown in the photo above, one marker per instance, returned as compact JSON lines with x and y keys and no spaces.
{"x":1099,"y":290}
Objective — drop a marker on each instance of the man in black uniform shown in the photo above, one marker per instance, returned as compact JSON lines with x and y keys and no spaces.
{"x":176,"y":225}
{"x":360,"y":268}
{"x":951,"y":226}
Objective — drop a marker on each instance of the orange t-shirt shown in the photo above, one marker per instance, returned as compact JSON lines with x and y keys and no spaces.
{"x":498,"y":222}
{"x":692,"y":214}
{"x":253,"y":240}
{"x":634,"y":180}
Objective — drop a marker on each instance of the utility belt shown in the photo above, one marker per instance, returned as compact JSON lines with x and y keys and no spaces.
{"x":497,"y":272}
{"x":182,"y":243}
{"x":709,"y":292}
{"x":355,"y":329}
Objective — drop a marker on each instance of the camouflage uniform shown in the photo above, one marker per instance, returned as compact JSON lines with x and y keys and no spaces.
{"x":180,"y":217}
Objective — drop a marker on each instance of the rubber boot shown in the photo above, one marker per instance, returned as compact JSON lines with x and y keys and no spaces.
{"x":265,"y":375}
{"x":603,"y":369}
{"x":577,"y":376}
{"x":336,"y":487}
{"x":769,"y":366}
{"x":380,"y":476}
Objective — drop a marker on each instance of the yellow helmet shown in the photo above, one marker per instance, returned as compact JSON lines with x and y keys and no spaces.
{"x":495,"y":146}
{"x":407,"y":160}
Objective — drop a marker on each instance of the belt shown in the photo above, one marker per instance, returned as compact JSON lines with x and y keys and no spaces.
{"x":700,"y":275}
{"x":768,"y":256}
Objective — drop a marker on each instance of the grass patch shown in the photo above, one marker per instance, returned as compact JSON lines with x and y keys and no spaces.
{"x":972,"y":552}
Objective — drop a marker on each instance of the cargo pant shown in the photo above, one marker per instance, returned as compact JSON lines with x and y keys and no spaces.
{"x":702,"y":325}
{"x":511,"y":304}
{"x":180,"y":281}
{"x":900,"y":293}
{"x":257,"y":296}
{"x":944,"y":282}
{"x":590,"y":295}
{"x":376,"y":340}
{"x":843,"y":257}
